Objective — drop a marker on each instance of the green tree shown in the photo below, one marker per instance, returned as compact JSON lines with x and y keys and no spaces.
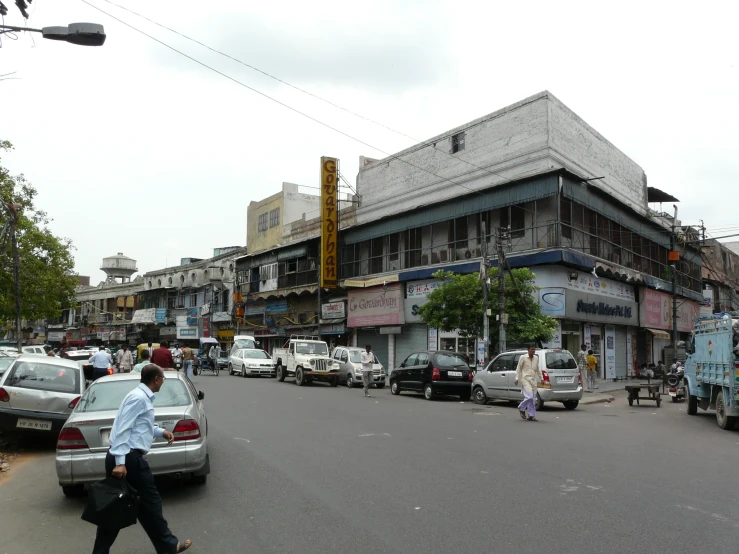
{"x":47,"y":278}
{"x":457,"y":304}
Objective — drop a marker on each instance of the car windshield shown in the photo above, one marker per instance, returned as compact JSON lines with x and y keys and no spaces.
{"x":450,"y":360}
{"x":319,"y":348}
{"x":355,"y":356}
{"x":560,"y":360}
{"x":261,"y":354}
{"x":108,"y":396}
{"x":244,"y":343}
{"x":47,"y":377}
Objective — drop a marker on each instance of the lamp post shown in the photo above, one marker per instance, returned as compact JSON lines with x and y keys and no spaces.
{"x":81,"y":34}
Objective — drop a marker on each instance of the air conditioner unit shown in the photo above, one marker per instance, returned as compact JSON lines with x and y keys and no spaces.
{"x":466,"y":254}
{"x":442,"y":255}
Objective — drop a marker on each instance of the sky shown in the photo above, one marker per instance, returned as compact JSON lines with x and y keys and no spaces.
{"x":136,"y":148}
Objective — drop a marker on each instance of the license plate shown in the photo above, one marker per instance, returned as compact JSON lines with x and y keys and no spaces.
{"x":454,"y":373}
{"x":105,"y":438}
{"x":564,"y":379}
{"x":24,"y":423}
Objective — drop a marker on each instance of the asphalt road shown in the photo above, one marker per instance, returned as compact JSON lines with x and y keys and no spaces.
{"x":325,"y":470}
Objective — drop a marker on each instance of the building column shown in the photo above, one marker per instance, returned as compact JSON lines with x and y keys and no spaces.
{"x":353,"y":340}
{"x":390,"y":353}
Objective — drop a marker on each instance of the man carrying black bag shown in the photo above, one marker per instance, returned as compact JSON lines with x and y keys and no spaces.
{"x":130,"y":439}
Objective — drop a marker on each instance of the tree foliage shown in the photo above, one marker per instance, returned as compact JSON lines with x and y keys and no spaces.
{"x":457,"y":304}
{"x":47,"y":278}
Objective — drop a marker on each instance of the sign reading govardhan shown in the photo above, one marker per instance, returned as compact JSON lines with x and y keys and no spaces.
{"x":329,"y":222}
{"x":376,"y":306}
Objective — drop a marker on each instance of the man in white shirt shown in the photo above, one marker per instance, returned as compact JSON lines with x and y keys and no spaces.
{"x":100,"y":361}
{"x":368,"y":359}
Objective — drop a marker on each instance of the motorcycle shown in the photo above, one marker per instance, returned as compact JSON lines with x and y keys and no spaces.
{"x":177,"y":362}
{"x":676,"y":384}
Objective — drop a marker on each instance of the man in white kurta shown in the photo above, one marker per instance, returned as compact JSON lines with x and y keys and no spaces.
{"x":529,"y":376}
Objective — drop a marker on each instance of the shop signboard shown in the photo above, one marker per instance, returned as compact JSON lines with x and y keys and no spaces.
{"x":167,"y":331}
{"x":588,"y":339}
{"x":276,"y":306}
{"x":187,"y":332}
{"x":161,"y":315}
{"x":220,"y":317}
{"x":55,"y":336}
{"x":610,"y":352}
{"x":598,"y":309}
{"x":329,"y":222}
{"x":255,"y":307}
{"x":585,"y":282}
{"x":656,"y":311}
{"x":226,"y":335}
{"x":480,"y":354}
{"x":433,"y":339}
{"x":707,"y":307}
{"x":147,"y":315}
{"x":416,"y":295}
{"x":333,"y":310}
{"x":206,"y":326}
{"x":376,"y":306}
{"x":191,"y":318}
{"x":552,"y":301}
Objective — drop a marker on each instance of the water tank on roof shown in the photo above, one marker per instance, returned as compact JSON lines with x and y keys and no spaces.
{"x":119,"y":267}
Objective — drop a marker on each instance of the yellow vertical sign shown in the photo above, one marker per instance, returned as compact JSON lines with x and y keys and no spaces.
{"x":329,"y":223}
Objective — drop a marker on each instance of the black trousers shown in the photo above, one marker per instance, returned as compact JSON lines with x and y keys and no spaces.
{"x":149,"y":507}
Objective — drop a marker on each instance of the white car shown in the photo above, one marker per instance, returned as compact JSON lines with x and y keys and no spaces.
{"x":250,"y":361}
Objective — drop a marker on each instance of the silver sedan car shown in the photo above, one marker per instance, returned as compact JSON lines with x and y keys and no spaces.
{"x":85,"y":438}
{"x":37,"y":393}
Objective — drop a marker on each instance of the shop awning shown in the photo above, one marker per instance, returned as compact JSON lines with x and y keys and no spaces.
{"x":659,"y":334}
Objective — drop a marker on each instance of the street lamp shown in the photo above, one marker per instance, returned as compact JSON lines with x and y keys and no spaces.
{"x":82,"y":34}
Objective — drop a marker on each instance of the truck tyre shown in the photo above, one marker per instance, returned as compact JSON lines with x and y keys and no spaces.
{"x":724,"y":421}
{"x":280,"y":373}
{"x":299,"y":377}
{"x":692,"y":402}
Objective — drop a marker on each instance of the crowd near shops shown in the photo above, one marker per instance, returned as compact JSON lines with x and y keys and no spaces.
{"x":610,"y":264}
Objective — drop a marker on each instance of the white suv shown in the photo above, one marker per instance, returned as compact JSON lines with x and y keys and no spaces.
{"x":562,"y":381}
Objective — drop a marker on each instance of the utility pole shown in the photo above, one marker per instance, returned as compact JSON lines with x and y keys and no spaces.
{"x":673,"y":246}
{"x":484,"y":273}
{"x":502,"y":316}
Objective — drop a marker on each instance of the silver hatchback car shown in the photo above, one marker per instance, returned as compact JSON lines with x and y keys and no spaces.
{"x":562,"y":381}
{"x":350,"y":367}
{"x":85,"y":438}
{"x":37,"y":393}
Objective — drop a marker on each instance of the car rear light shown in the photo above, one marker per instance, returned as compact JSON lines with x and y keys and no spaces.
{"x":73,"y":403}
{"x":4,"y":396}
{"x":186,"y":429}
{"x":71,"y":438}
{"x":546,"y":383}
{"x":110,"y":371}
{"x":436,"y":374}
{"x":579,"y":379}
{"x":673,"y":389}
{"x":471,"y":375}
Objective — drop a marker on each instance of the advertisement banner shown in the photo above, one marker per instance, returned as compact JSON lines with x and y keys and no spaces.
{"x":378,"y":306}
{"x":329,"y":222}
{"x":556,"y":341}
{"x":206,"y":326}
{"x":585,"y":282}
{"x":480,"y":354}
{"x":161,"y":315}
{"x":55,"y":336}
{"x":416,"y":296}
{"x":147,"y":315}
{"x":707,"y":308}
{"x":276,"y":306}
{"x":191,"y":318}
{"x":656,"y":311}
{"x":255,"y":307}
{"x":433,"y":339}
{"x":552,"y":301}
{"x":588,"y":336}
{"x":610,"y":352}
{"x":333,"y":310}
{"x":220,"y":317}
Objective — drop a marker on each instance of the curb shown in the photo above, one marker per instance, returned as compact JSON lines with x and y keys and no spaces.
{"x":599,"y":400}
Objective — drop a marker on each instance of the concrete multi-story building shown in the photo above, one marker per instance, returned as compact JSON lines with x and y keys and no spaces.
{"x":720,"y":278}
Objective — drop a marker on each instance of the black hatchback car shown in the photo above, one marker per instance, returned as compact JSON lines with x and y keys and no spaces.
{"x":433,"y":372}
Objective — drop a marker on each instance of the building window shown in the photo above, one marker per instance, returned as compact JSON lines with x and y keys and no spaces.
{"x":457,"y":142}
{"x":274,"y":218}
{"x":262,"y":224}
{"x":193,"y":299}
{"x":515,"y":218}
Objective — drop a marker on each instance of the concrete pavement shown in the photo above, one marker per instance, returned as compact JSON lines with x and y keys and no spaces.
{"x":317,"y":469}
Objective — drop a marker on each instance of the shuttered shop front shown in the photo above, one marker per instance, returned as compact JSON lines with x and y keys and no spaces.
{"x":413,"y":337}
{"x":378,"y":342}
{"x":622,"y":364}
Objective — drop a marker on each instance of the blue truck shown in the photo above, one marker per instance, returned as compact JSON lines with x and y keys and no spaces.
{"x":712,"y":368}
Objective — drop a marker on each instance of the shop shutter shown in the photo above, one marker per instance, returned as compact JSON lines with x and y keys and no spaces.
{"x":378,"y":342}
{"x":621,"y":359}
{"x":414,"y":337}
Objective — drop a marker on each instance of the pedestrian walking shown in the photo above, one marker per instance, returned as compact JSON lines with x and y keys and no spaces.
{"x":368,"y":359}
{"x":213,"y":355}
{"x":130,"y":440}
{"x":125,"y":359}
{"x":138,"y":368}
{"x":101,"y":362}
{"x":150,"y":348}
{"x":582,"y":363}
{"x":162,"y":356}
{"x":529,"y":375}
{"x":592,"y":371}
{"x":187,"y":361}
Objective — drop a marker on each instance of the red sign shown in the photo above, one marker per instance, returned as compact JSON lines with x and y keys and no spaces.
{"x":206,"y":326}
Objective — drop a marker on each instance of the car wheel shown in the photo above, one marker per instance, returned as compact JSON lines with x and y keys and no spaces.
{"x":199,"y":479}
{"x":243,"y":371}
{"x":299,"y":377}
{"x":230,"y":369}
{"x":350,"y":381}
{"x":394,"y":387}
{"x":570,"y":404}
{"x":538,"y":403}
{"x":479,"y":396}
{"x":380,"y":385}
{"x":428,"y":392}
{"x":73,"y":491}
{"x":724,"y":420}
{"x":280,"y":373}
{"x":465,"y":396}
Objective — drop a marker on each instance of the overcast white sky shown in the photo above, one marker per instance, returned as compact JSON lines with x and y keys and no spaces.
{"x":136,"y":149}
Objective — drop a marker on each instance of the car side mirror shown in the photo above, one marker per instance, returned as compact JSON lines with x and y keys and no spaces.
{"x":201,"y":395}
{"x":402,"y":365}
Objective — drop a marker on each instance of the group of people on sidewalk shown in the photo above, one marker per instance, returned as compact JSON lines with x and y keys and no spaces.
{"x":587,"y":363}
